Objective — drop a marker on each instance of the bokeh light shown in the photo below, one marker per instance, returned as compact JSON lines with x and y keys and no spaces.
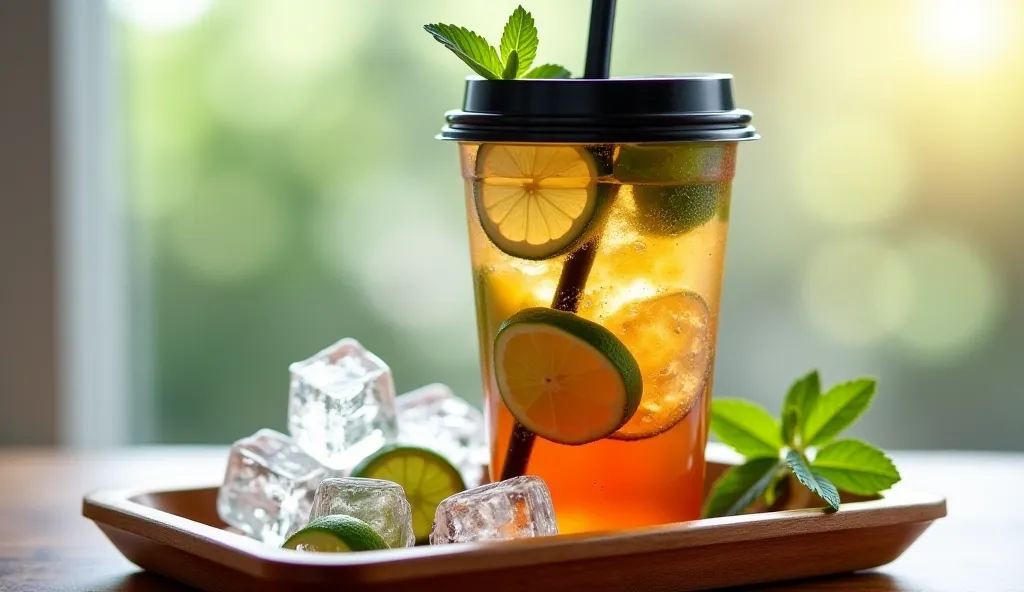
{"x":260,"y":80}
{"x":857,"y":291}
{"x":967,"y":33}
{"x":411,"y":268}
{"x":160,"y":15}
{"x":852,"y":170}
{"x":957,"y":298}
{"x":233,"y":230}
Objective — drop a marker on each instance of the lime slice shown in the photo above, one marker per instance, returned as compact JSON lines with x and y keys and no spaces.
{"x":671,"y":210}
{"x":336,"y":534}
{"x":674,"y":164}
{"x":563,"y":377}
{"x":535,"y":202}
{"x":426,"y":476}
{"x":676,"y":187}
{"x":670,"y":337}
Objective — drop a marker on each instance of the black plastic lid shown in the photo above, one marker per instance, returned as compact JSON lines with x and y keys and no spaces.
{"x":687,"y":108}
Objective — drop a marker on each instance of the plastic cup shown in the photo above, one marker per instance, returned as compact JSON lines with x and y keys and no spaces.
{"x":644,"y":259}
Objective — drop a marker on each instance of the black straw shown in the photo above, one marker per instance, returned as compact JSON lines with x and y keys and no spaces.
{"x":599,"y":44}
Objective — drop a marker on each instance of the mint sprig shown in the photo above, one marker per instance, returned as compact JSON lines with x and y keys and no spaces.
{"x":518,"y":49}
{"x":802,"y":446}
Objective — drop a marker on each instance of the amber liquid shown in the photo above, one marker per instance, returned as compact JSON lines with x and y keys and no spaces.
{"x":613,"y":484}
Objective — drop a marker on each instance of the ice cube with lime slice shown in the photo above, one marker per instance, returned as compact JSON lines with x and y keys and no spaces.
{"x":336,"y":534}
{"x":425,"y":476}
{"x":433,"y":417}
{"x":381,"y":504}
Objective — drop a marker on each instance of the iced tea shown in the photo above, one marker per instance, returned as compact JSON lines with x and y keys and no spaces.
{"x":659,"y":233}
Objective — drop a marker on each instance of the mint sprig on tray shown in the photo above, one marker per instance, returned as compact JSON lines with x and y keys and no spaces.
{"x":802,"y":445}
{"x":518,"y":49}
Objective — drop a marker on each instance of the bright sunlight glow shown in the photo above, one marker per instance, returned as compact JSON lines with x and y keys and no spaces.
{"x":160,"y":15}
{"x":966,"y":33}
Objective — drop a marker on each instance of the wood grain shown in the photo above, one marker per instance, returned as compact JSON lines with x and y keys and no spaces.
{"x":45,"y":545}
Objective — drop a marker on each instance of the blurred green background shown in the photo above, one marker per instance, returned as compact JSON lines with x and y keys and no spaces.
{"x":287,"y":190}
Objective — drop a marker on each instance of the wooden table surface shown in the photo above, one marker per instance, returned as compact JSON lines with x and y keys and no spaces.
{"x":45,"y":544}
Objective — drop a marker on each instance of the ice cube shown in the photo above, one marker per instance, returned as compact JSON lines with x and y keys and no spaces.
{"x":512,"y":509}
{"x":268,"y":487}
{"x":433,"y":417}
{"x":381,"y":504}
{"x":341,"y":404}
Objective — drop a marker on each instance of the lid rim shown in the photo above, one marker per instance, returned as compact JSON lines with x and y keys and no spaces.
{"x":609,"y":136}
{"x":695,"y":118}
{"x":695,"y":107}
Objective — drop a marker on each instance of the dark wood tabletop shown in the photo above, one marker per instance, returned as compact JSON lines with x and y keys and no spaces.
{"x":45,"y":544}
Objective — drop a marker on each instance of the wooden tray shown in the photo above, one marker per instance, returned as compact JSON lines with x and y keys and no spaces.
{"x":178,"y":534}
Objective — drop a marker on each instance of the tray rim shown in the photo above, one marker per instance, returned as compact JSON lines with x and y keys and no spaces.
{"x":118,"y":509}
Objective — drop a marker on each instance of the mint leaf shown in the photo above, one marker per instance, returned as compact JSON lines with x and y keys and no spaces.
{"x":747,"y":427}
{"x":856,"y":466}
{"x":511,"y":66}
{"x":818,"y":484}
{"x":790,"y":425}
{"x":520,"y":35}
{"x":548,"y":71}
{"x":837,"y":410}
{"x":740,"y":486}
{"x":470,"y":47}
{"x":800,"y":400}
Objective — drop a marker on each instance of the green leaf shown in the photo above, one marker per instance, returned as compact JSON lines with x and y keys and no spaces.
{"x":548,"y":71}
{"x":520,"y":35}
{"x":470,"y":47}
{"x":740,"y":486}
{"x":837,"y":410}
{"x":790,"y":423}
{"x":771,"y":494}
{"x":511,"y":66}
{"x":817,"y":483}
{"x":800,"y":400}
{"x":747,"y":427}
{"x":856,"y":466}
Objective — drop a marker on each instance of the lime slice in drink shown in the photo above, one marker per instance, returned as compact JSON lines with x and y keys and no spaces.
{"x":563,"y":377}
{"x":426,"y":476}
{"x":670,"y":337}
{"x":676,"y":187}
{"x":684,"y":163}
{"x":536,"y":202}
{"x":672,"y":210}
{"x":336,"y":534}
